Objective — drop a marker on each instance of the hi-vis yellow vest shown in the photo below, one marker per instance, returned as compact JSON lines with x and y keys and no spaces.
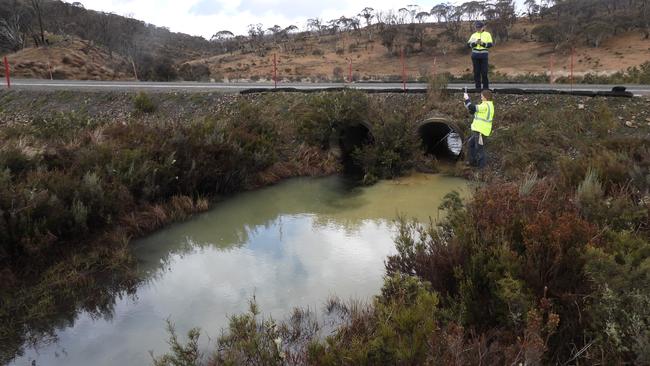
{"x":483,"y":118}
{"x":484,"y":37}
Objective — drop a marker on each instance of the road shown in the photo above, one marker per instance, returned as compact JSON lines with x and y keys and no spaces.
{"x":35,"y":84}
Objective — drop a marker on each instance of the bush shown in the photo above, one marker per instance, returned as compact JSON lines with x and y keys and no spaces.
{"x":325,"y":113}
{"x":338,"y":73}
{"x":181,"y":354}
{"x":546,"y":33}
{"x":394,"y":151}
{"x":143,"y":103}
{"x":194,"y":72}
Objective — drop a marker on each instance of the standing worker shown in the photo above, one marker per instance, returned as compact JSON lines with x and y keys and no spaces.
{"x":479,"y":42}
{"x":481,"y":127}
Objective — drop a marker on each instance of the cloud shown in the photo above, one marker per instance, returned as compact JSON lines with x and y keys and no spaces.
{"x":206,"y":17}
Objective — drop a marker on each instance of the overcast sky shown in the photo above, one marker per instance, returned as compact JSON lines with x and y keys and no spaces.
{"x":206,"y":17}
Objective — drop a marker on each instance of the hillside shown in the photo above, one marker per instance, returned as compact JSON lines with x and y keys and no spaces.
{"x":609,"y":38}
{"x":105,"y":46}
{"x":70,"y":59}
{"x":326,"y":58}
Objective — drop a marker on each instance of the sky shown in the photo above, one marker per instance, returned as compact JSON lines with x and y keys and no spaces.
{"x":206,"y":17}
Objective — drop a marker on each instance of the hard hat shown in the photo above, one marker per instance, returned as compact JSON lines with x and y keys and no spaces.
{"x":479,"y":25}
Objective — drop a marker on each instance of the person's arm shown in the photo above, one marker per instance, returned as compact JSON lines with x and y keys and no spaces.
{"x":488,"y":43}
{"x":472,"y":42}
{"x":468,"y":104}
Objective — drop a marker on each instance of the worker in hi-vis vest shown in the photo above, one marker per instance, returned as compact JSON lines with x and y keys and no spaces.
{"x":480,"y":42}
{"x":481,"y":127}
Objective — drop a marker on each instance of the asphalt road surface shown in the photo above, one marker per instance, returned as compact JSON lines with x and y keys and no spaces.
{"x":35,"y":84}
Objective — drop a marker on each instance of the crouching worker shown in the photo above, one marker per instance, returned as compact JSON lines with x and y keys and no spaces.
{"x":481,"y":127}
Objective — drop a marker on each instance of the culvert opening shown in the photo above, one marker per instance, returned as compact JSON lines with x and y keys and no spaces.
{"x":351,"y":138}
{"x":441,"y":139}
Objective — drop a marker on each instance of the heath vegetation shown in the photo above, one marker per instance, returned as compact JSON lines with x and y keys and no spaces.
{"x":547,"y":263}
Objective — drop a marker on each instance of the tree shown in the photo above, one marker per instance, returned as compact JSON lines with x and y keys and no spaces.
{"x":315,"y":25}
{"x":532,"y":8}
{"x":422,"y":16}
{"x":11,"y":33}
{"x":413,"y":10}
{"x":290,"y":29}
{"x":222,"y":35}
{"x":367,"y":14}
{"x":388,"y":37}
{"x":501,"y":16}
{"x":596,"y":32}
{"x":37,"y":8}
{"x":403,"y":14}
{"x":473,"y":9}
{"x":442,"y":12}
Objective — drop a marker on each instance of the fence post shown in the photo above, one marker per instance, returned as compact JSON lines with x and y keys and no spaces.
{"x":7,"y":76}
{"x":350,"y":70}
{"x":573,"y":52}
{"x":275,"y":70}
{"x":403,"y":70}
{"x":552,"y":69}
{"x":435,"y":68}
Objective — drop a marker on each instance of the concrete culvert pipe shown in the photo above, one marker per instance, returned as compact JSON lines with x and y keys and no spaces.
{"x":441,"y":138}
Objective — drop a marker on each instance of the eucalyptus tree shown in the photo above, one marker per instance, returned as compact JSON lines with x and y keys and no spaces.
{"x":367,"y":13}
{"x":442,"y":12}
{"x":422,"y":16}
{"x":532,"y":8}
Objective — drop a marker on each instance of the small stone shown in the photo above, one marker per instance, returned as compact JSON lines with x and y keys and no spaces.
{"x":620,"y":118}
{"x":629,"y":124}
{"x":647,"y":119}
{"x":581,"y":106}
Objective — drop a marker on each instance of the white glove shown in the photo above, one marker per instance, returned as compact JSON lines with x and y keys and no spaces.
{"x":466,"y":96}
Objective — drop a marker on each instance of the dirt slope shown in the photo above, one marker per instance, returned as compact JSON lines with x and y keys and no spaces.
{"x":326,"y":58}
{"x":371,"y":61}
{"x":68,"y":59}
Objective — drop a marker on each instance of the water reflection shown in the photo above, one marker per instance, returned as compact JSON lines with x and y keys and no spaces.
{"x":290,"y":245}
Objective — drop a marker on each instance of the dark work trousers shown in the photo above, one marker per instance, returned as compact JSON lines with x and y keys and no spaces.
{"x":481,"y":72}
{"x":477,"y":154}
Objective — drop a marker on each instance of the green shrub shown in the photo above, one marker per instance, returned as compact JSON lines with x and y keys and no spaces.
{"x":324,"y":114}
{"x":619,"y":311}
{"x":143,"y":103}
{"x":180,"y":354}
{"x":394,"y":150}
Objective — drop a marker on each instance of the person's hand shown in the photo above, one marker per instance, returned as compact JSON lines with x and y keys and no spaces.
{"x":481,"y":44}
{"x":466,"y":96}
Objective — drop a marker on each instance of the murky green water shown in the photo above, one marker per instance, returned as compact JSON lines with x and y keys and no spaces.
{"x":290,"y":245}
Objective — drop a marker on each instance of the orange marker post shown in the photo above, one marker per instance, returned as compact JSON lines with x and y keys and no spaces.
{"x":552,"y":69}
{"x":350,"y":70}
{"x":7,"y":76}
{"x":573,"y":53}
{"x":403,"y":71}
{"x":275,"y":70}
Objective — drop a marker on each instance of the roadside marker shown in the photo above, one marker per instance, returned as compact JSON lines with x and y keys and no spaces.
{"x":573,"y":52}
{"x":275,"y":70}
{"x":7,"y":72}
{"x":403,"y":71}
{"x":552,"y":69}
{"x":349,"y":70}
{"x":434,"y":71}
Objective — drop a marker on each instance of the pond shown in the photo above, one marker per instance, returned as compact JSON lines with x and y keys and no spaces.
{"x":293,"y":244}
